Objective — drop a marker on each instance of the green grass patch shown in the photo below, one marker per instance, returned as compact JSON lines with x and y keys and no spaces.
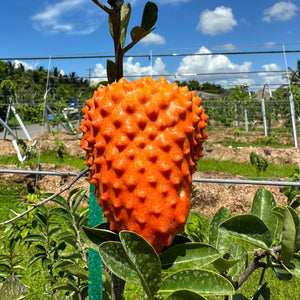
{"x":51,"y":157}
{"x":279,"y":289}
{"x":11,"y":195}
{"x":256,"y":143}
{"x":48,"y":157}
{"x":244,"y":169}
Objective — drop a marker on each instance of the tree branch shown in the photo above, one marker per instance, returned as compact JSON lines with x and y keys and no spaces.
{"x":102,"y":6}
{"x":256,"y":263}
{"x":66,"y":187}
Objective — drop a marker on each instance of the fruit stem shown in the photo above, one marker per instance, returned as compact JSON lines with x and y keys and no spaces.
{"x":115,"y":16}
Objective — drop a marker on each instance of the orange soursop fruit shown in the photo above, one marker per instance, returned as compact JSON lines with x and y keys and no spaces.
{"x":142,"y":140}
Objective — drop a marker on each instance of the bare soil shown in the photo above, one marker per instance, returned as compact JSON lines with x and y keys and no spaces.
{"x":208,"y":198}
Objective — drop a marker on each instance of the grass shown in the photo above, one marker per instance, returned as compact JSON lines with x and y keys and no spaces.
{"x":279,"y":289}
{"x":257,"y":143}
{"x":244,"y":169}
{"x":11,"y":194}
{"x":48,"y":157}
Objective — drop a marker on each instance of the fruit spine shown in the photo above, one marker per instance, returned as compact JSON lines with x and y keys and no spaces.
{"x":142,"y":140}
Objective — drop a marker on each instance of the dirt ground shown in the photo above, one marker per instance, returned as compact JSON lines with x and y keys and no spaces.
{"x":209,"y":197}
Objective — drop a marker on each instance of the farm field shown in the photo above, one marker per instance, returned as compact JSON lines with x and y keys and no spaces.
{"x":220,"y":161}
{"x":218,"y":153}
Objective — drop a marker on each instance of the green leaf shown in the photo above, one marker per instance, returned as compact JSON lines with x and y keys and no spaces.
{"x":64,"y":286}
{"x":280,"y":272}
{"x":262,"y":206}
{"x":65,"y":235}
{"x":295,"y":265}
{"x":115,"y":258}
{"x":137,"y":33}
{"x":239,"y":297}
{"x":46,"y":262}
{"x":149,"y":16}
{"x":77,"y":199}
{"x":12,"y":289}
{"x":64,"y":263}
{"x":36,"y":238}
{"x":24,"y":232}
{"x":4,"y":268}
{"x":292,"y":195}
{"x":77,"y":271}
{"x":249,"y":228}
{"x":203,"y":282}
{"x":72,"y":193}
{"x":34,"y":258}
{"x":70,"y":255}
{"x":84,"y":219}
{"x":62,"y":246}
{"x":278,"y":211}
{"x":297,"y":227}
{"x":99,"y":235}
{"x":186,"y":256}
{"x":145,"y":260}
{"x":62,"y":212}
{"x":54,"y":229}
{"x":125,"y":17}
{"x":42,"y":219}
{"x":216,"y":238}
{"x":184,"y":295}
{"x":238,"y":252}
{"x":58,"y":199}
{"x":111,"y":70}
{"x":263,"y":293}
{"x":19,"y":268}
{"x":125,"y":14}
{"x":288,"y":238}
{"x":223,"y":264}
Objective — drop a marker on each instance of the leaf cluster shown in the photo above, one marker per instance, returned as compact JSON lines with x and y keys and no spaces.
{"x":53,"y":236}
{"x":118,"y":20}
{"x":236,"y":246}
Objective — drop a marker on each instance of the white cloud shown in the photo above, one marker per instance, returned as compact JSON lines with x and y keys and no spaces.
{"x":134,"y":69}
{"x":270,"y":44}
{"x":272,"y":78}
{"x":68,"y":17}
{"x":153,"y":38}
{"x":280,"y":11}
{"x":228,"y":46}
{"x":216,"y":21}
{"x":99,"y":73}
{"x":211,"y":64}
{"x":26,"y":65}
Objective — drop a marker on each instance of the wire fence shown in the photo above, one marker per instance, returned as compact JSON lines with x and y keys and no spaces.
{"x":260,"y":118}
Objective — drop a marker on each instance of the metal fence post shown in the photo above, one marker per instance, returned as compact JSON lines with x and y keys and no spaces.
{"x":264,"y":115}
{"x":292,"y":107}
{"x":95,"y":262}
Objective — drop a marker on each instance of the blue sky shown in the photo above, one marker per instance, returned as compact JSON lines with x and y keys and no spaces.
{"x":31,"y":28}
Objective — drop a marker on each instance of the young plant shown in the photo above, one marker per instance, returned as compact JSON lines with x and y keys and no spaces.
{"x":60,"y":249}
{"x":260,"y":163}
{"x":11,"y":267}
{"x":60,"y":149}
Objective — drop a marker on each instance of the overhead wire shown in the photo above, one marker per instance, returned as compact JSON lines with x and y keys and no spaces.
{"x":147,"y":55}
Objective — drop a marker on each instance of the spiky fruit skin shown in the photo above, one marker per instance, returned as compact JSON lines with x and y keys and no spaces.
{"x":142,"y":140}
